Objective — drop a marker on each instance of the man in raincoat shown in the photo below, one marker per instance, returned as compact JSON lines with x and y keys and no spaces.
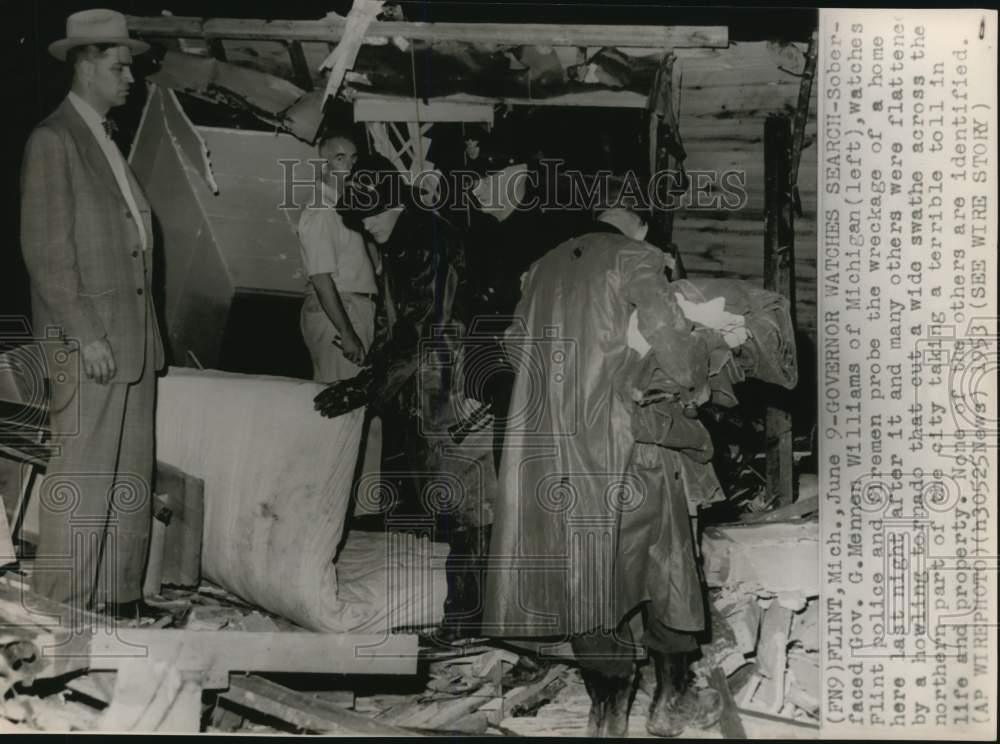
{"x":588,"y":527}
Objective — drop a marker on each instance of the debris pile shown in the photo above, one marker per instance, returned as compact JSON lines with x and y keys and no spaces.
{"x":764,"y":586}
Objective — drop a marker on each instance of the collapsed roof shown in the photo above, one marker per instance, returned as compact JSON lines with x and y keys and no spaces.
{"x":278,"y":67}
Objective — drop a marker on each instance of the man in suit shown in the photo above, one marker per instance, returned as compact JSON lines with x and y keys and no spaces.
{"x":87,"y":242}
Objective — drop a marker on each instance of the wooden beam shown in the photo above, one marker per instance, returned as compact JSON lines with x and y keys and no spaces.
{"x":222,"y":651}
{"x":303,"y":75}
{"x":779,"y":258}
{"x":401,"y":108}
{"x":303,"y":711}
{"x":545,"y":34}
{"x":595,"y":98}
{"x":663,"y":123}
{"x":216,"y":49}
{"x":802,"y":107}
{"x":729,"y":722}
{"x":788,"y":512}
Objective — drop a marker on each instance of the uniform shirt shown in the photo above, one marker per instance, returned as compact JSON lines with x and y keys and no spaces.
{"x":328,"y":247}
{"x":95,"y":124}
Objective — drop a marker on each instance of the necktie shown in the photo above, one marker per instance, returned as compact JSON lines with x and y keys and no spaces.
{"x":110,"y":127}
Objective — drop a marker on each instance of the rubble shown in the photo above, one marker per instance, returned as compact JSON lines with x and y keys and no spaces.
{"x":764,"y":586}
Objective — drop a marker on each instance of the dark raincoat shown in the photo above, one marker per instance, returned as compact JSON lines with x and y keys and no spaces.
{"x":577,"y":524}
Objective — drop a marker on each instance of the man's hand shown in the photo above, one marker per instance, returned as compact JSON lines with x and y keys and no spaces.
{"x":99,"y":361}
{"x":354,"y":350}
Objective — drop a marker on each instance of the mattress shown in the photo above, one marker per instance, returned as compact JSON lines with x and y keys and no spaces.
{"x":277,"y":491}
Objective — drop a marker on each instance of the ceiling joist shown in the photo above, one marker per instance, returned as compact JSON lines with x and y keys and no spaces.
{"x":332,"y":29}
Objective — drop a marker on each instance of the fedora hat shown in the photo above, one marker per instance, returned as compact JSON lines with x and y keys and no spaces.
{"x":98,"y":26}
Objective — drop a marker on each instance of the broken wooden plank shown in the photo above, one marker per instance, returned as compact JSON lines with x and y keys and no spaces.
{"x":303,"y":76}
{"x":153,"y":695}
{"x":745,"y":623}
{"x":772,"y":654}
{"x":99,"y":686}
{"x":368,"y":107}
{"x":224,"y":720}
{"x":223,"y":651}
{"x":332,"y":29}
{"x":782,"y":513}
{"x":803,"y":681}
{"x":729,"y":721}
{"x":303,"y":711}
{"x":526,"y":696}
{"x":452,"y":713}
{"x":438,"y":711}
{"x":50,"y":713}
{"x":781,"y":720}
{"x":805,"y":627}
{"x":779,"y":276}
{"x":342,"y":58}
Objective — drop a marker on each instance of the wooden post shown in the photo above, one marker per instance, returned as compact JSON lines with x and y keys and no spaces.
{"x":662,"y":115}
{"x":802,"y":116}
{"x":779,"y":255}
{"x":300,"y":66}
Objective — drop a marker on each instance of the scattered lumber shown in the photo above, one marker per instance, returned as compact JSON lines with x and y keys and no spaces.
{"x":798,"y":509}
{"x":439,"y":715}
{"x":527,"y":697}
{"x":302,"y":710}
{"x":49,"y":713}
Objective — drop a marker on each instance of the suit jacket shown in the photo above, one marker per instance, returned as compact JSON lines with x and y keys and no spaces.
{"x":90,"y":276}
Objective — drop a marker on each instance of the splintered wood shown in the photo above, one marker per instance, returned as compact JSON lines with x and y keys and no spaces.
{"x":763,"y":581}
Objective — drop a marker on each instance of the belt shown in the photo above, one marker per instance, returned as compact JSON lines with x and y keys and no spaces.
{"x":367,"y":295}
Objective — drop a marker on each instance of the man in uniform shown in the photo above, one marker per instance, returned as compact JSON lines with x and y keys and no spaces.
{"x":338,"y":315}
{"x":418,"y":373}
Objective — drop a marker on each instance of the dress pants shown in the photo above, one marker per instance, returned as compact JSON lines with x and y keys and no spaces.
{"x":96,"y":499}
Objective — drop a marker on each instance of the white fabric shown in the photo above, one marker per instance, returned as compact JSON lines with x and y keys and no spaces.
{"x":95,"y":124}
{"x":712,"y":314}
{"x":502,"y":192}
{"x":277,"y":486}
{"x":397,"y":578}
{"x":635,"y":339}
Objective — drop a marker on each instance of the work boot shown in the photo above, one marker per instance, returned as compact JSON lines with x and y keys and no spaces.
{"x":609,"y":703}
{"x":676,"y":704}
